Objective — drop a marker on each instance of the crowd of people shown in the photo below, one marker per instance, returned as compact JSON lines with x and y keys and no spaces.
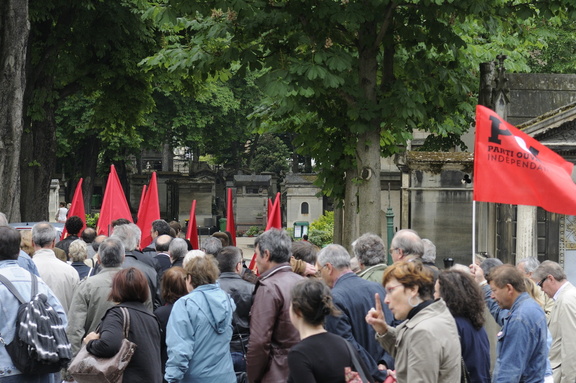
{"x":305,"y":315}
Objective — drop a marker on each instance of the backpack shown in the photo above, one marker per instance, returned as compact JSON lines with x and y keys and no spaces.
{"x":40,"y":344}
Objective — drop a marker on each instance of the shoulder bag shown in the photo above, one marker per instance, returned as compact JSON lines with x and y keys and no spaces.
{"x":357,"y":376}
{"x":87,"y":368}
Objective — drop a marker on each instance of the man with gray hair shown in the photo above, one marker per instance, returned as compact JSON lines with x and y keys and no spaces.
{"x":90,"y":301}
{"x":370,"y":251}
{"x":211,"y":245}
{"x":177,"y":250}
{"x":353,"y":297}
{"x":406,"y":244}
{"x":271,"y":332}
{"x":129,"y":234}
{"x":60,"y":276}
{"x":562,"y":323}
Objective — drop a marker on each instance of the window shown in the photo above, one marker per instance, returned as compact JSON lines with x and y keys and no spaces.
{"x":304,"y":209}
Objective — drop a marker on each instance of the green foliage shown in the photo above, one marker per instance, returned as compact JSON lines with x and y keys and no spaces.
{"x":254,"y":231}
{"x":321,"y":231}
{"x":92,"y":220}
{"x":271,"y":155}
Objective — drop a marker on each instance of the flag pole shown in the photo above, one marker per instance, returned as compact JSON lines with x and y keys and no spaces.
{"x":473,"y":232}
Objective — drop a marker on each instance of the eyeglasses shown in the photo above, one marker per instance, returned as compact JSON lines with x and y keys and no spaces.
{"x":392,"y":250}
{"x":542,"y":281}
{"x":389,"y":290}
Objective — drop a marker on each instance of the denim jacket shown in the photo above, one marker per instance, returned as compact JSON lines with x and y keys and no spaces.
{"x":9,"y":308}
{"x":522,"y":349}
{"x":500,"y":316}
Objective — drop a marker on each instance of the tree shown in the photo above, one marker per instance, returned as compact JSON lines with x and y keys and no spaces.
{"x":14,"y":31}
{"x":365,"y":71}
{"x":271,"y":155}
{"x":82,"y":51}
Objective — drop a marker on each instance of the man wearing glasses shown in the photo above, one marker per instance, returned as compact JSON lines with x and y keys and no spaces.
{"x":562,"y":323}
{"x":353,"y":297}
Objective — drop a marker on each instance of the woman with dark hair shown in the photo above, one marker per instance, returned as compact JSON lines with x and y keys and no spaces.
{"x":425,"y":345}
{"x":465,"y":301}
{"x":320,"y":356}
{"x":200,"y":328}
{"x":130,"y":290}
{"x":173,"y":286}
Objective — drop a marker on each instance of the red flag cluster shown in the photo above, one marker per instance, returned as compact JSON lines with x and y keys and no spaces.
{"x":512,"y":167}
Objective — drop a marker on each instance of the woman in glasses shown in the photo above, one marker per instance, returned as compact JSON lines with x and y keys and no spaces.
{"x":425,"y":346}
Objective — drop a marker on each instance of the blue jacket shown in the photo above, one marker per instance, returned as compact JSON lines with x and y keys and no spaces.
{"x":354,"y":297}
{"x":198,"y":337}
{"x":475,"y":350}
{"x":500,"y":316}
{"x":522,"y":351}
{"x":21,"y":279}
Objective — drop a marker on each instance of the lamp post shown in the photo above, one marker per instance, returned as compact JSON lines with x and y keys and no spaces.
{"x":389,"y":225}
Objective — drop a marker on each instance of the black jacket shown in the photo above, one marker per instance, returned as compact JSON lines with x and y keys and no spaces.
{"x":144,"y":330}
{"x":241,"y":292}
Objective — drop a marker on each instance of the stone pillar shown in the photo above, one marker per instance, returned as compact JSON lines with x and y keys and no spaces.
{"x":526,"y":232}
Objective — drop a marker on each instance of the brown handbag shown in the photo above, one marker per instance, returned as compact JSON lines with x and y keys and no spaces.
{"x":87,"y":368}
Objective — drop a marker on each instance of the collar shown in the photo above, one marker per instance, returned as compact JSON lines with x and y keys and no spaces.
{"x":229,"y":275}
{"x":521,"y":298}
{"x":9,"y":263}
{"x":48,"y":253}
{"x":343,"y":276}
{"x":380,"y":266}
{"x":421,"y":306}
{"x":557,"y":295}
{"x":279,"y":268}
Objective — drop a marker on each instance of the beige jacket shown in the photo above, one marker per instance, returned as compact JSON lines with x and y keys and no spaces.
{"x":562,"y":325}
{"x":426,"y":348}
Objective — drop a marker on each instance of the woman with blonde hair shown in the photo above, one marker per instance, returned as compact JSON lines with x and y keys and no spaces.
{"x":425,"y":345}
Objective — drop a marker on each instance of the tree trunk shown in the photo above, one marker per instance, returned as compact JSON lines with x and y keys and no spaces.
{"x":338,"y":224}
{"x":14,"y":32}
{"x":38,"y":162}
{"x":350,"y":227}
{"x":88,"y":167}
{"x":368,"y":146}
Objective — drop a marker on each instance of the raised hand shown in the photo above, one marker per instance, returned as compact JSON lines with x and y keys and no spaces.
{"x":375,"y":316}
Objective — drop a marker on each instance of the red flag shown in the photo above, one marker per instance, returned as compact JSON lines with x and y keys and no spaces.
{"x":274,"y":221}
{"x":269,"y":209}
{"x":114,"y":204}
{"x":192,"y":232}
{"x":149,"y":211}
{"x":230,"y":224}
{"x":275,"y":216}
{"x":512,"y":167}
{"x":142,"y":196}
{"x":77,"y":208}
